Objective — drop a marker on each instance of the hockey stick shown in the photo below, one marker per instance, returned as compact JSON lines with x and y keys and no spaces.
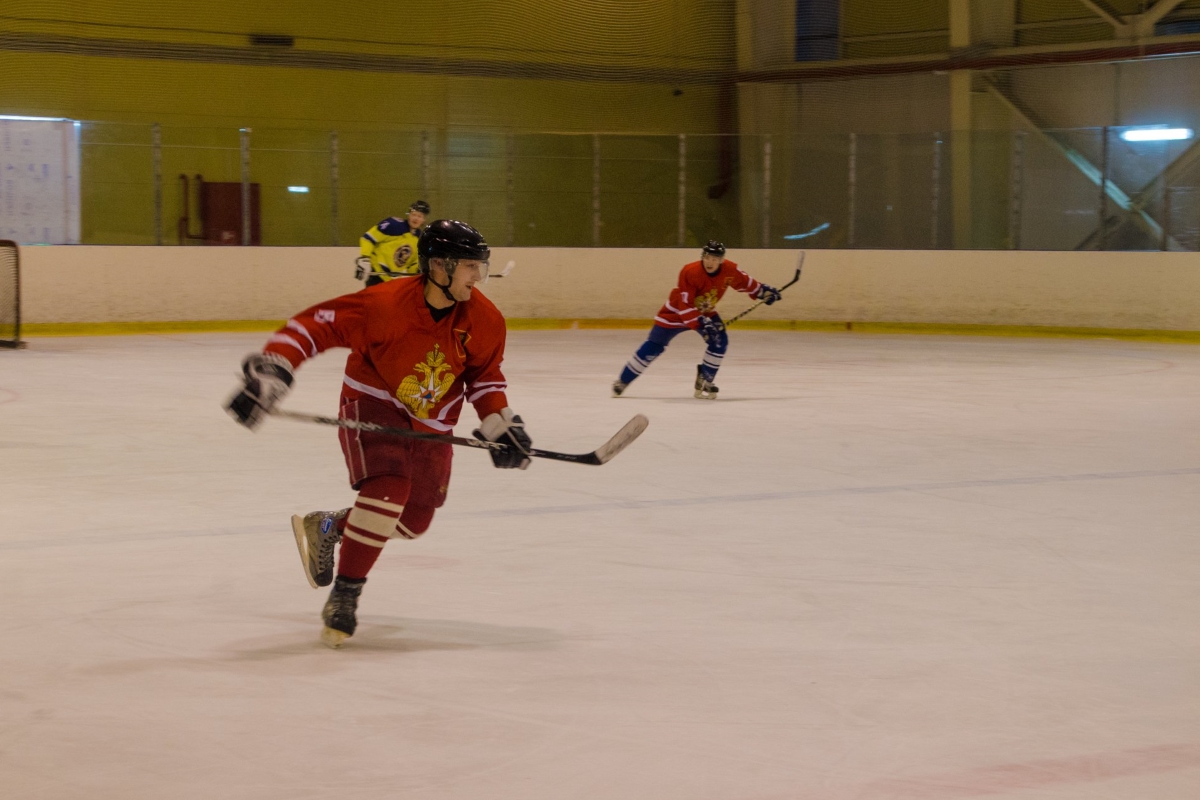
{"x":504,"y":272}
{"x":795,"y":278}
{"x":601,"y":455}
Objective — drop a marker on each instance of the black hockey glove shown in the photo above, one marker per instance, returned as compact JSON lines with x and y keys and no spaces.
{"x":508,"y":429}
{"x":362,"y":268}
{"x":769,"y":294}
{"x":710,"y":328}
{"x":267,"y":379}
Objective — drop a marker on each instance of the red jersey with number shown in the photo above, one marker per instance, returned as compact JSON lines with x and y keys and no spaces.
{"x":698,"y":293}
{"x":401,"y":355}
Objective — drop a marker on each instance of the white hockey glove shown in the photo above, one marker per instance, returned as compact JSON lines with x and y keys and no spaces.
{"x":507,"y":428}
{"x":362,"y":268}
{"x":267,"y":378}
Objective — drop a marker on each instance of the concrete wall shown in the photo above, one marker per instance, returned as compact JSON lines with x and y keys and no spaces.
{"x":1103,"y":290}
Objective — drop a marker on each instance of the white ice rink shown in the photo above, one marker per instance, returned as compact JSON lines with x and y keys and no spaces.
{"x":920,"y":568}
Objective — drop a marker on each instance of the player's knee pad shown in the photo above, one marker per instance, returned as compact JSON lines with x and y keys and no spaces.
{"x":650,"y":351}
{"x":415,"y":520}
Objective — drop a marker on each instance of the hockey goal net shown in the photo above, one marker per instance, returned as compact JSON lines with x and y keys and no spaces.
{"x":10,"y":294}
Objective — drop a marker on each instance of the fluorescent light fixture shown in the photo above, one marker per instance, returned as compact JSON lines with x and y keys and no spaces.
{"x":1156,"y":134}
{"x":36,"y":119}
{"x":298,"y":189}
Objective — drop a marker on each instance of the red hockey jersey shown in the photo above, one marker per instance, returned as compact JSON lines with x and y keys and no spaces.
{"x":400,"y":355}
{"x":698,"y":293}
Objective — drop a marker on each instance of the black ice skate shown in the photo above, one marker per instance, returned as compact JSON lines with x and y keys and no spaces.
{"x":619,"y":388}
{"x":317,"y":535}
{"x":339,"y":610}
{"x":705,"y":390}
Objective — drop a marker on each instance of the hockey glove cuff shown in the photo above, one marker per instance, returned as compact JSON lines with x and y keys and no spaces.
{"x":508,"y":429}
{"x":267,"y":377}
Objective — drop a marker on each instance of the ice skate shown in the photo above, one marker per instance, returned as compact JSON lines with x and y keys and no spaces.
{"x":705,"y":390}
{"x":317,"y":535}
{"x":619,"y":388}
{"x":339,"y":611}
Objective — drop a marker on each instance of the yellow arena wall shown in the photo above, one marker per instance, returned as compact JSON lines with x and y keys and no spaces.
{"x":463,"y":73}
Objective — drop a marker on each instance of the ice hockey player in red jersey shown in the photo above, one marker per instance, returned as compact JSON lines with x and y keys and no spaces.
{"x":420,"y":348}
{"x":692,"y":306}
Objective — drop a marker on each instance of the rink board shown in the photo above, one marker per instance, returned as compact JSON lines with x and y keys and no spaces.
{"x":227,"y":287}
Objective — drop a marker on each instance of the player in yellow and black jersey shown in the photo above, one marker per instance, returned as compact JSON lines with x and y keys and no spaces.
{"x":389,"y":250}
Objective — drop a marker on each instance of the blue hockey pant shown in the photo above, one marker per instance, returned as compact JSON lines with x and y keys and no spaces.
{"x":657,"y":342}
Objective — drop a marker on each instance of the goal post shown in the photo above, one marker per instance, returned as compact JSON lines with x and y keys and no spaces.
{"x":10,"y":294}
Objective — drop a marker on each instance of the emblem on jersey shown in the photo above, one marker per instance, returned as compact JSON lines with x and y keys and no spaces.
{"x":403,"y":253}
{"x":420,"y":393}
{"x":324,"y":315}
{"x":707,"y":301}
{"x":462,"y":337}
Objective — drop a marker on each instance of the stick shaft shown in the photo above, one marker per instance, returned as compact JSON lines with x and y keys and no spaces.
{"x":374,"y":427}
{"x":795,"y":278}
{"x":576,"y":458}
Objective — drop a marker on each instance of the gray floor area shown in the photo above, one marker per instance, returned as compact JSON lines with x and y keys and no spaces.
{"x":924,"y":568}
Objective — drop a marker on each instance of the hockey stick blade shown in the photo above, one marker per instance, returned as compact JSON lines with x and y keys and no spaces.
{"x":504,"y":272}
{"x":602,"y":455}
{"x":620,"y":440}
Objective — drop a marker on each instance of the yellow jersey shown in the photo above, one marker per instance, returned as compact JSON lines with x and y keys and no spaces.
{"x":392,"y":247}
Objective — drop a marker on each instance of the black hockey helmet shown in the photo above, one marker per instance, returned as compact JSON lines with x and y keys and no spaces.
{"x":714,"y":248}
{"x":420,"y":205}
{"x":450,"y":239}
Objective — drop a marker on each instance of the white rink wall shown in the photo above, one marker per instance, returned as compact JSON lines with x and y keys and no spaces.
{"x":1161,"y":291}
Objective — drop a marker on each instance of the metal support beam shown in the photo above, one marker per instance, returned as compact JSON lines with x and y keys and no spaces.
{"x":1132,"y":26}
{"x":1105,"y":13}
{"x":1087,"y":168}
{"x":1172,"y":173}
{"x":1143,"y":24}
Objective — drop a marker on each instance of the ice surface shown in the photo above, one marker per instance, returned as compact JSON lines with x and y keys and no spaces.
{"x":878,"y":567}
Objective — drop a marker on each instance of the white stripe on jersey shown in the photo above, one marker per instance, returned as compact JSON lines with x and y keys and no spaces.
{"x":296,"y":326}
{"x":669,"y":323}
{"x":484,"y":391}
{"x":283,"y":338}
{"x":439,"y":424}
